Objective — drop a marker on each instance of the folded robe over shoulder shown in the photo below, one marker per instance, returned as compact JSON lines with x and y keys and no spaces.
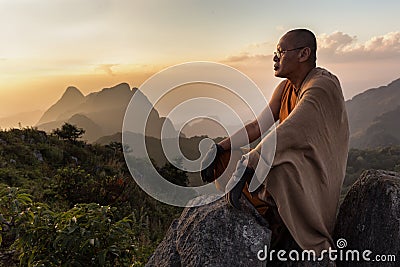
{"x":310,"y":161}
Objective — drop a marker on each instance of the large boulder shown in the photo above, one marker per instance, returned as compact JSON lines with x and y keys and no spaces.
{"x":214,"y":235}
{"x":369,"y":219}
{"x":218,"y":235}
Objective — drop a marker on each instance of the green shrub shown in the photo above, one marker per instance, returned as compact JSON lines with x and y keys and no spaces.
{"x":13,"y":202}
{"x":86,"y":235}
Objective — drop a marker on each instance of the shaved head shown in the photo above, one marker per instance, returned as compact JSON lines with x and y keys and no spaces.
{"x":295,"y":55}
{"x":304,"y":38}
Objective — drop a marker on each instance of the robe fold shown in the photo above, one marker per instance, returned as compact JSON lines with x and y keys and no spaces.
{"x":309,"y":165}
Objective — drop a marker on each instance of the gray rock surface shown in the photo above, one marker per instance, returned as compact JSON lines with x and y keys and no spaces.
{"x":218,"y":235}
{"x":369,"y":217}
{"x":214,"y":235}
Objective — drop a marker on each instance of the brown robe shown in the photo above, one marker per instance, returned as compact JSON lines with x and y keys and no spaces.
{"x":309,"y":165}
{"x":267,"y":207}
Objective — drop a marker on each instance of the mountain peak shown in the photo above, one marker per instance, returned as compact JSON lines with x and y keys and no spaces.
{"x":72,"y":92}
{"x":372,"y":113}
{"x":71,"y":98}
{"x":123,"y":87}
{"x":112,"y":96}
{"x":395,"y":83}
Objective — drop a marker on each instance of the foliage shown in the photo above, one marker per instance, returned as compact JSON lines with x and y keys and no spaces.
{"x":69,"y":132}
{"x":75,"y":185}
{"x":64,"y":202}
{"x":13,"y":202}
{"x":86,"y":235}
{"x":173,"y":174}
{"x":47,"y":182}
{"x":385,"y":158}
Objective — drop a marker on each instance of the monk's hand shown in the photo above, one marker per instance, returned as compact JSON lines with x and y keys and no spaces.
{"x":237,"y":182}
{"x":208,"y":163}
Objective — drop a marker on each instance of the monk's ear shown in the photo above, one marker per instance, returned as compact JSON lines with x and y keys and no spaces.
{"x":304,"y":54}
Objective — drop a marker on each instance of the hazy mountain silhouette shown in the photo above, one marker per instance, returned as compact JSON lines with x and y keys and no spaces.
{"x":92,"y":130}
{"x":209,"y":127}
{"x":204,"y":127}
{"x":189,"y":146}
{"x":384,"y":131}
{"x":373,"y":117}
{"x":71,"y":99}
{"x":100,"y":113}
{"x":154,"y":149}
{"x":24,"y":118}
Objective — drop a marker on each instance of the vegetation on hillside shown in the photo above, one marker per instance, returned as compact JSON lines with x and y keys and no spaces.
{"x":385,"y":158}
{"x":64,"y":202}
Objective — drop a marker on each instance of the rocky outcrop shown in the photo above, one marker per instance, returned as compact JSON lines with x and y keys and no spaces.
{"x":369,"y":218}
{"x":214,"y":235}
{"x":218,"y":235}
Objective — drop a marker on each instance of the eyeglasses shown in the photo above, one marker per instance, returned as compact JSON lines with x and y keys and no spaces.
{"x":280,"y":53}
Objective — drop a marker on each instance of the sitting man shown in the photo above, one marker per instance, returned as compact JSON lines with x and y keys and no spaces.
{"x":300,"y":194}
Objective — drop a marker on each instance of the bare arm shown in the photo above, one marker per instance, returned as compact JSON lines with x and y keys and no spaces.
{"x":260,"y":125}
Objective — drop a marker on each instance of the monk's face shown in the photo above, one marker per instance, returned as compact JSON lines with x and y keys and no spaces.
{"x":286,"y":56}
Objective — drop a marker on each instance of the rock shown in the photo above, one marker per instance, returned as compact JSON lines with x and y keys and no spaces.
{"x":214,"y":235}
{"x":218,"y":235}
{"x":38,"y":155}
{"x":369,"y":218}
{"x":75,"y":159}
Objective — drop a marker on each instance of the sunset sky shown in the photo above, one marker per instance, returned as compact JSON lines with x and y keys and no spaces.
{"x":49,"y":45}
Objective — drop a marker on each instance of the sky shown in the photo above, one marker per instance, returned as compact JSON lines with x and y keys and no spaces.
{"x":49,"y":45}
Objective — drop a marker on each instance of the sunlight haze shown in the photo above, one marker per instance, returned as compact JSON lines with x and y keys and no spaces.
{"x":49,"y":45}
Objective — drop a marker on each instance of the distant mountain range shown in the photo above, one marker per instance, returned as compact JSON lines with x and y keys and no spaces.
{"x":373,"y":115}
{"x":207,"y":127}
{"x":22,"y":119}
{"x":100,"y":113}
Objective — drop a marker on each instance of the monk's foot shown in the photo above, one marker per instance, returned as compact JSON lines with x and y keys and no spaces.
{"x":235,"y":187}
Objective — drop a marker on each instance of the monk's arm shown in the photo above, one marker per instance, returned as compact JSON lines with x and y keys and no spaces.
{"x":261,"y":124}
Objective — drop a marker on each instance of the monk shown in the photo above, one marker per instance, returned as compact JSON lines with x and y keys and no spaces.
{"x":300,"y":193}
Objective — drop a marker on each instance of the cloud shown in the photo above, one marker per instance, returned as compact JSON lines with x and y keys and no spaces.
{"x":339,"y":46}
{"x":385,"y":43}
{"x":107,"y":68}
{"x":335,"y":41}
{"x":332,"y":48}
{"x":340,"y":52}
{"x":246,"y":59}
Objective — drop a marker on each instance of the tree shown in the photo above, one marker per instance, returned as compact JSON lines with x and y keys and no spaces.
{"x":69,"y":132}
{"x":173,"y":174}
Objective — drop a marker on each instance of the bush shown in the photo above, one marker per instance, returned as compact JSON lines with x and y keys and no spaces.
{"x":86,"y":235}
{"x":69,"y":132}
{"x":13,"y":202}
{"x":44,"y":221}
